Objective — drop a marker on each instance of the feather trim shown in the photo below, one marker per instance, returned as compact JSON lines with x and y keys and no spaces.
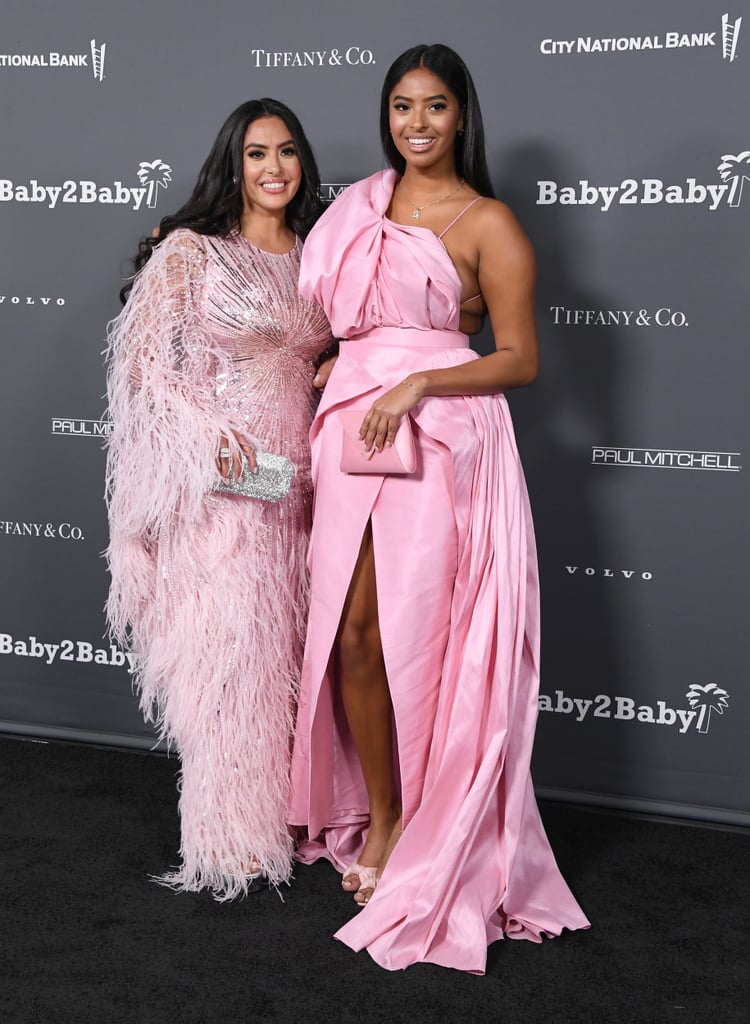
{"x":210,"y":591}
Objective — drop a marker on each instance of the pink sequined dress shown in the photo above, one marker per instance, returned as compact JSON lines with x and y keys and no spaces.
{"x":212,"y":589}
{"x":458,"y":611}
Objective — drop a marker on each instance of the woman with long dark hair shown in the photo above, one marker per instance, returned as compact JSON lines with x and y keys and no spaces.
{"x":210,"y":385}
{"x":419,"y":692}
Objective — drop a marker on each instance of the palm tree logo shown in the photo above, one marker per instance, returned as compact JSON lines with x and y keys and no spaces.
{"x":156,"y":175}
{"x":737,"y":170}
{"x":708,"y":698}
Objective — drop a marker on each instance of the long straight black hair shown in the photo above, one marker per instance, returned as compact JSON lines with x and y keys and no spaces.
{"x":215,"y":205}
{"x":471,"y":159}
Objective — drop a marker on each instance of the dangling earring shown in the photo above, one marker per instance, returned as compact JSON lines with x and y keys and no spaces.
{"x":235,"y":179}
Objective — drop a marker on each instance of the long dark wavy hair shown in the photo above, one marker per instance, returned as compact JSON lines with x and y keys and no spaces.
{"x":471,"y":159}
{"x":215,"y":205}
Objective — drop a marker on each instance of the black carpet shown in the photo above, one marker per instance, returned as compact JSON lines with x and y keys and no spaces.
{"x":87,"y":938}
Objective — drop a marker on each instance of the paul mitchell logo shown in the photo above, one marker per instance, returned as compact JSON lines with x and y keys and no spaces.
{"x":55,"y":59}
{"x":81,"y":428}
{"x":335,"y":57}
{"x":664,"y":317}
{"x":153,"y":175}
{"x":702,"y":699}
{"x":733,"y":170}
{"x":658,"y":458}
{"x":332,"y":190}
{"x":730,"y":32}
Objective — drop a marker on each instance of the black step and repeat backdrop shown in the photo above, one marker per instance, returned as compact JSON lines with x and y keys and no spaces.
{"x":619,"y":134}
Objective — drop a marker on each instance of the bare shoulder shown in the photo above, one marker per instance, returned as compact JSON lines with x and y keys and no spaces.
{"x":495,"y":221}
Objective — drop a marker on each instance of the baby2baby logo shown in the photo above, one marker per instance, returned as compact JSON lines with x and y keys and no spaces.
{"x":704,"y":701}
{"x":153,"y":176}
{"x":734,"y":171}
{"x":80,"y":651}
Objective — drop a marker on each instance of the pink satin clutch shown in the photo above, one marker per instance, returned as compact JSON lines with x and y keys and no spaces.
{"x":401,"y":457}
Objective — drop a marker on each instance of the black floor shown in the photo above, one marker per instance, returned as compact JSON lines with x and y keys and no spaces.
{"x":86,"y":937}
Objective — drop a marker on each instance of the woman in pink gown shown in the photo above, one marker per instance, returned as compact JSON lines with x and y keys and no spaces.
{"x":419,"y":690}
{"x":213,"y":356}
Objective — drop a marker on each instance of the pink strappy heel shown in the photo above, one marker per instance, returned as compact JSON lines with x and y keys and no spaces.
{"x":368,"y":879}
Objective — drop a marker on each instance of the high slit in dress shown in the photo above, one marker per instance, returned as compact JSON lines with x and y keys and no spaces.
{"x":457,"y":591}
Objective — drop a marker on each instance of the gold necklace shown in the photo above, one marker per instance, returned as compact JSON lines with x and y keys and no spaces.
{"x":418,"y":209}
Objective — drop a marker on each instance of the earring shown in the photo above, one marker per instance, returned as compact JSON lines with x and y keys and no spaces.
{"x":235,"y":180}
{"x":460,"y":131}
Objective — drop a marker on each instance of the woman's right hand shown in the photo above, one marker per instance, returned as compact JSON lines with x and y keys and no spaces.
{"x":382,"y":419}
{"x":226,"y":455}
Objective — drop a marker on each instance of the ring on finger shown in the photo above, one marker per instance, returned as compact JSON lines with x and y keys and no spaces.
{"x":224,"y":453}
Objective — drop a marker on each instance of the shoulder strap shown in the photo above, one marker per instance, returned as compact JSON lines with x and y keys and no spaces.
{"x":459,"y":215}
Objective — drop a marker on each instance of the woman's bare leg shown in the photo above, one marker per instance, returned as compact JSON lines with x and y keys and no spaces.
{"x":367,"y":703}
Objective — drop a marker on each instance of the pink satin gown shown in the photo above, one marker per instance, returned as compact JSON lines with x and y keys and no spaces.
{"x":458,"y":608}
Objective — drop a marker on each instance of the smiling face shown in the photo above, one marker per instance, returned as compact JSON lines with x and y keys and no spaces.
{"x":424,"y":116}
{"x":271,"y":169}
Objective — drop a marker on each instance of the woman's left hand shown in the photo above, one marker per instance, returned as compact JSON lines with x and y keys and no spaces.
{"x":381,"y":421}
{"x":323,"y":372}
{"x":226,"y":455}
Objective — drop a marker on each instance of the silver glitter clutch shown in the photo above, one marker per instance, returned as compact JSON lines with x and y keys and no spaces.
{"x":270,"y":483}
